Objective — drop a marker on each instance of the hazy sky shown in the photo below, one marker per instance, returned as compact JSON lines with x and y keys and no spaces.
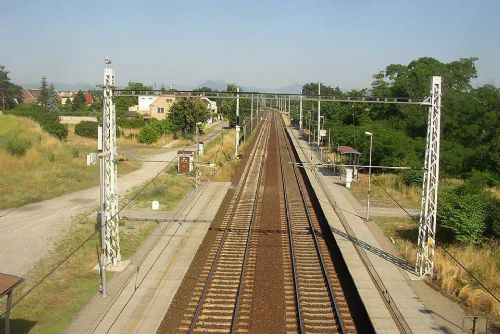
{"x":253,"y":43}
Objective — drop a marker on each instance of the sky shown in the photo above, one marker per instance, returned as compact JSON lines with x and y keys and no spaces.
{"x":252,"y":43}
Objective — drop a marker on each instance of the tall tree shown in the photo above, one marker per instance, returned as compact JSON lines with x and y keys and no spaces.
{"x":78,"y":101}
{"x":185,"y":113}
{"x":43,"y":98}
{"x":10,"y":94}
{"x":52,"y":102}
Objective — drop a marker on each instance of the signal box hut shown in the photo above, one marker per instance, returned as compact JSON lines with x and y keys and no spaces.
{"x":185,"y":161}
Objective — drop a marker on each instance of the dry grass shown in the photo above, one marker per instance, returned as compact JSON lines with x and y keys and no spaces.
{"x":407,"y":196}
{"x":221,"y":153}
{"x":167,"y":189}
{"x":49,"y":168}
{"x":482,"y":261}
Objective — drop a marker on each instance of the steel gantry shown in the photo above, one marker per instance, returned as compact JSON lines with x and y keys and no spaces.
{"x":109,"y":194}
{"x":427,"y":228}
{"x":428,"y":209}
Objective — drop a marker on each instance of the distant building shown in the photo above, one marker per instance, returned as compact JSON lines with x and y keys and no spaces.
{"x":153,"y":106}
{"x":89,"y":99}
{"x":66,"y":95}
{"x":212,"y":107}
{"x":161,"y":106}
{"x":30,"y":95}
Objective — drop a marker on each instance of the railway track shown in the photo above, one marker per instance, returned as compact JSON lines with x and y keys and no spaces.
{"x":216,"y":300}
{"x":318,"y":300}
{"x":223,"y":297}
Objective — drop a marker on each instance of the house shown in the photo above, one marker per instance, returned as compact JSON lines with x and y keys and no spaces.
{"x":89,"y":99}
{"x":212,"y":107}
{"x":153,"y":106}
{"x":66,"y":95}
{"x":161,"y":106}
{"x":30,"y":95}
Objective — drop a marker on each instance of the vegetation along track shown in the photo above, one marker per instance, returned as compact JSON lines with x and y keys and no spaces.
{"x":308,"y":289}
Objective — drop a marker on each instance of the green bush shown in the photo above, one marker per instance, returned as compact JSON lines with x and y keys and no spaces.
{"x":87,"y":129}
{"x":464,"y":212}
{"x":18,"y":146}
{"x":149,"y":134}
{"x":413,"y":177}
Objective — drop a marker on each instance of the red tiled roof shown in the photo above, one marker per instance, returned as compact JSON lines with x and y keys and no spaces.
{"x":88,"y":98}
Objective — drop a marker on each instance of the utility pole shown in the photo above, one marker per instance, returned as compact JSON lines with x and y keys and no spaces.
{"x":428,"y":210}
{"x":300,"y":112}
{"x":237,"y":121}
{"x":258,"y":98}
{"x":289,"y":110}
{"x":251,"y":116}
{"x":319,"y":112}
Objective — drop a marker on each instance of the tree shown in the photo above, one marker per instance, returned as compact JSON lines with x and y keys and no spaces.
{"x":43,"y":98}
{"x":185,"y":113}
{"x":10,"y":94}
{"x":78,"y":101}
{"x":52,"y":100}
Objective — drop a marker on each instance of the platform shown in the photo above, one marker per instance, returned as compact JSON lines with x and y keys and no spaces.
{"x":372,"y":269}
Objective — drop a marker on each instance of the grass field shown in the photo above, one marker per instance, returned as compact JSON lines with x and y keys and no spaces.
{"x":48,"y":168}
{"x":482,"y":260}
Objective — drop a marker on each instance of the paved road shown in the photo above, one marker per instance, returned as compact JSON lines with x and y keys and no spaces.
{"x":29,"y":232}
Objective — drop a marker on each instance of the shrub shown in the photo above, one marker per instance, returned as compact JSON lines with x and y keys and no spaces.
{"x":18,"y":146}
{"x":149,"y":134}
{"x":464,"y":212}
{"x":87,"y":129}
{"x":413,"y":177}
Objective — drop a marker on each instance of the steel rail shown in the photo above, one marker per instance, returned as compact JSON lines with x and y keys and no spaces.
{"x":241,"y":188}
{"x":292,"y":246}
{"x":247,"y":245}
{"x":333,"y":299}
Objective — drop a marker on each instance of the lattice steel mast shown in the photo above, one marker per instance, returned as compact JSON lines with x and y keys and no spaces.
{"x":428,"y":211}
{"x":109,"y":192}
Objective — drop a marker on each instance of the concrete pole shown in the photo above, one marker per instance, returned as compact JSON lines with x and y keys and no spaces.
{"x":258,"y":109}
{"x":300,"y":113}
{"x":369,"y":176}
{"x":237,"y":127}
{"x":319,"y":112}
{"x":251,"y":116}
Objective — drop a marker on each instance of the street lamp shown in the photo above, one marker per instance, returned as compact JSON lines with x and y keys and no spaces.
{"x":369,"y":175}
{"x":197,"y":153}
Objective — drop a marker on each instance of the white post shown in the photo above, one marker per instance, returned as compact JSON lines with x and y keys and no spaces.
{"x":300,"y":113}
{"x":237,"y":121}
{"x":251,"y":117}
{"x":258,"y":98}
{"x":319,"y":111}
{"x":428,"y":210}
{"x":369,"y":176}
